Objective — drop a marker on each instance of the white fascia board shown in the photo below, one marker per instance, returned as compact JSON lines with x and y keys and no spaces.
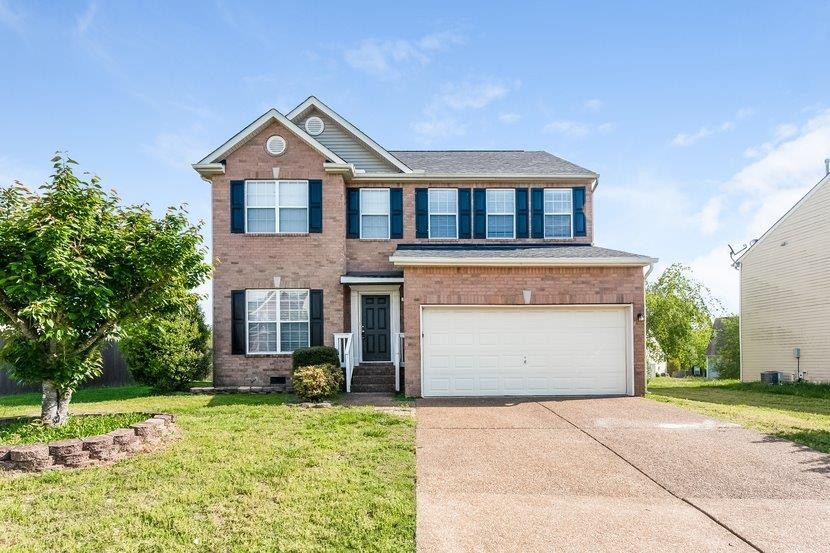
{"x":435,"y":177}
{"x":312,"y":101}
{"x":370,"y":280}
{"x":818,"y":185}
{"x":271,"y":115}
{"x":523,"y":261}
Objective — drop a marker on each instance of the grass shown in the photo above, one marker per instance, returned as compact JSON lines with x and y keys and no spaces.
{"x":33,"y":431}
{"x":798,"y":412}
{"x":250,"y":473}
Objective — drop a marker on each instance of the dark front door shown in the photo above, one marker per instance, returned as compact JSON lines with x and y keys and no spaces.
{"x":375,"y":328}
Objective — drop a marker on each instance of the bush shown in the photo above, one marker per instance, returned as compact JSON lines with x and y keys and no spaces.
{"x":168,"y":352}
{"x":315,"y":382}
{"x":315,"y":355}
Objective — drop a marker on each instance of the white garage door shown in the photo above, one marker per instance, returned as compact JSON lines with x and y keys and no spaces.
{"x":496,"y":351}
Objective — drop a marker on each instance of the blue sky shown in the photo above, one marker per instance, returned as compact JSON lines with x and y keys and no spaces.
{"x":706,"y":123}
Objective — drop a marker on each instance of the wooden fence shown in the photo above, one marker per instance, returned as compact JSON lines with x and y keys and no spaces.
{"x":115,"y":373}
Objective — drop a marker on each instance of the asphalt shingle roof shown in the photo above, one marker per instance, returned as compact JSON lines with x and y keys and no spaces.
{"x":505,"y":251}
{"x":489,"y":162}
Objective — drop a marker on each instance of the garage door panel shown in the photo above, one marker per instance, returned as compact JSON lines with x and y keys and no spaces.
{"x":531,"y":351}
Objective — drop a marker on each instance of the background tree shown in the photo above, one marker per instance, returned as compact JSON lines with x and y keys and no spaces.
{"x":168,"y":351}
{"x":75,"y":265}
{"x":679,"y":317}
{"x":728,"y":348}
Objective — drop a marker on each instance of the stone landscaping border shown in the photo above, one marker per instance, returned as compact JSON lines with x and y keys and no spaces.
{"x":92,"y":451}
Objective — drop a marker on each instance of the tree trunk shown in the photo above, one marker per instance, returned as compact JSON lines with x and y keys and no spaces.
{"x":54,"y":409}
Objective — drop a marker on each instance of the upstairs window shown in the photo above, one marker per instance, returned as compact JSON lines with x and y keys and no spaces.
{"x":277,"y":321}
{"x":276,"y":206}
{"x":558,"y":213}
{"x":443,"y":213}
{"x":501,"y":213}
{"x":374,"y":213}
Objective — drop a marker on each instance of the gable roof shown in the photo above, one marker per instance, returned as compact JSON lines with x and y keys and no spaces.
{"x":314,"y":103}
{"x":210,"y":164}
{"x":799,"y":203}
{"x":490,"y":162}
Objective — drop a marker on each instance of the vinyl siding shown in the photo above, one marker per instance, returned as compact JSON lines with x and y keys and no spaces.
{"x":785,"y":293}
{"x":341,"y":142}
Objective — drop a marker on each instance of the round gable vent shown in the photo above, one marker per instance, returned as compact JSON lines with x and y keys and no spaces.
{"x":314,"y":126}
{"x":275,"y":145}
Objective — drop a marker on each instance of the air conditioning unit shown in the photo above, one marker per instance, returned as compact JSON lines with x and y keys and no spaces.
{"x":776,"y":377}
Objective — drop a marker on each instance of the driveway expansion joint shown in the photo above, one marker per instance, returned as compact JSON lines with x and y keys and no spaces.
{"x":649,"y":477}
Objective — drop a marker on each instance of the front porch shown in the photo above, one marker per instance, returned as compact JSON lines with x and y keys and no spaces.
{"x":372,"y":352}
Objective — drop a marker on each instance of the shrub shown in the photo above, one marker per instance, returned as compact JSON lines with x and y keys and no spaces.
{"x":169,"y":351}
{"x":315,"y":355}
{"x":315,"y":382}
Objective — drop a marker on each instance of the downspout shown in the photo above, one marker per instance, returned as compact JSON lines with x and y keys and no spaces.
{"x":645,"y":323}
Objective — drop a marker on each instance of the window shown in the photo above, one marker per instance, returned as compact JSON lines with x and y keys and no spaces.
{"x":501,"y":213}
{"x":443,"y":213}
{"x":276,"y":206}
{"x":374,"y":213}
{"x":558,"y":213}
{"x":277,"y":320}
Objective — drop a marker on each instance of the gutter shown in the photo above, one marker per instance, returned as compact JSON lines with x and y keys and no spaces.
{"x":432,"y":177}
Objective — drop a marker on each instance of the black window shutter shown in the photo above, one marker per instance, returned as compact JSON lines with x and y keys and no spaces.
{"x":396,"y":213}
{"x":316,"y":318}
{"x":464,"y":222}
{"x":238,"y":322}
{"x":521,"y":213}
{"x":479,"y":213}
{"x":315,"y":206}
{"x":237,"y":206}
{"x":580,"y":225}
{"x":421,"y":213}
{"x":352,"y":213}
{"x":537,"y":213}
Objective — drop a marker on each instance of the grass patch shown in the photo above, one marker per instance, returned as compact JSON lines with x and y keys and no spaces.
{"x":33,"y":431}
{"x":250,"y":473}
{"x":799,"y":412}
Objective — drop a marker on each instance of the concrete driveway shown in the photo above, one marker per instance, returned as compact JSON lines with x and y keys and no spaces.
{"x":611,"y":474}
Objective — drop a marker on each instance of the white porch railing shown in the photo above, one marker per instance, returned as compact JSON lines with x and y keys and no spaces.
{"x":343,"y":344}
{"x":397,"y":357}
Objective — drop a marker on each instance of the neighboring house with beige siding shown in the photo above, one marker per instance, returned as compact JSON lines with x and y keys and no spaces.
{"x":785,"y":293}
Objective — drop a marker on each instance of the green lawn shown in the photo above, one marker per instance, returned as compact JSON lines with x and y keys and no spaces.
{"x":249,"y":473}
{"x":796,"y":412}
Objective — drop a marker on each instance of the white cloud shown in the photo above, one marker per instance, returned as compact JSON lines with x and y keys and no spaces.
{"x":593,"y":104}
{"x":177,"y":150}
{"x":11,"y":18}
{"x":577,"y":129}
{"x":385,"y":59}
{"x":684,"y":139}
{"x":509,"y":118}
{"x":440,"y":114}
{"x":710,"y":215}
{"x":715,"y":270}
{"x":84,"y":21}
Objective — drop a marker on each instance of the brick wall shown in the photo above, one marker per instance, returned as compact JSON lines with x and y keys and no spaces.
{"x":251,"y":261}
{"x":373,"y":255}
{"x":503,"y":286}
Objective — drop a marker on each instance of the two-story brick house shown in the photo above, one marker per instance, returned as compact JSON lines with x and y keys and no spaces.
{"x":473,"y":270}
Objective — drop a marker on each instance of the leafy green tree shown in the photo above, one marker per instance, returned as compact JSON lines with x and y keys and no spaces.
{"x":168,"y":351}
{"x":728,"y":348}
{"x":679,"y":317}
{"x":75,"y":266}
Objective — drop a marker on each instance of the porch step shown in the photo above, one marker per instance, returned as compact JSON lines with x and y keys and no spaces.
{"x":374,"y":377}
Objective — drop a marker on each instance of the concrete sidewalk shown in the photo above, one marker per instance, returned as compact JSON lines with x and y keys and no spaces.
{"x":611,"y":474}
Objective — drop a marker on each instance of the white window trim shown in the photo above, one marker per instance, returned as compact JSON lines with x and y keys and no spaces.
{"x":278,"y":206}
{"x":278,"y":321}
{"x":545,"y":214}
{"x":430,"y":214}
{"x":487,"y":216}
{"x":388,"y":214}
